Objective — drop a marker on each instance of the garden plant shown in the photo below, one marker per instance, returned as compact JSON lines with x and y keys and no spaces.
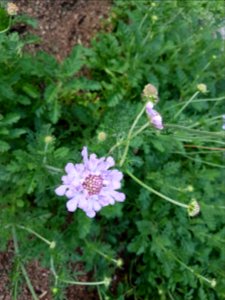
{"x":113,"y":159}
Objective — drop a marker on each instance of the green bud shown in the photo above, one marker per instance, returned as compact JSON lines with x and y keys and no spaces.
{"x":202,"y":88}
{"x":52,"y":245}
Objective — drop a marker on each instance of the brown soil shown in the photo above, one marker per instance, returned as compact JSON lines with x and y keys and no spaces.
{"x":61,"y":25}
{"x":64,"y":23}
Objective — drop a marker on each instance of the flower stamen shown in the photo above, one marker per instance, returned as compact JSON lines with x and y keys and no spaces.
{"x":93,"y":184}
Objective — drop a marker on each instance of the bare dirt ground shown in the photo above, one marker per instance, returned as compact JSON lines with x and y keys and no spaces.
{"x":65,"y":23}
{"x":61,"y":25}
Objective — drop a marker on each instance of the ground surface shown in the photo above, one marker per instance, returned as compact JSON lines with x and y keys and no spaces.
{"x":61,"y":25}
{"x":65,"y":23}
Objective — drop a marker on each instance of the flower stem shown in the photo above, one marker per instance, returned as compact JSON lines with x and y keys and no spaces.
{"x":29,"y":284}
{"x":129,"y":137}
{"x":51,"y":168}
{"x":156,"y":192}
{"x":36,"y":234}
{"x":186,"y":104}
{"x":84,"y":283}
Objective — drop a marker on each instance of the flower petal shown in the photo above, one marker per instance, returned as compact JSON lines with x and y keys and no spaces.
{"x":72,"y":205}
{"x":120,"y":197}
{"x":60,"y":191}
{"x":69,"y":168}
{"x":84,"y":153}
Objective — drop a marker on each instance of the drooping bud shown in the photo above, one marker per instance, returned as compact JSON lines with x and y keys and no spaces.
{"x":193,"y":208}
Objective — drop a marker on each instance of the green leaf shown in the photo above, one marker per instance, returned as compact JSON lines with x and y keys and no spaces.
{"x":4,"y":146}
{"x":4,"y":20}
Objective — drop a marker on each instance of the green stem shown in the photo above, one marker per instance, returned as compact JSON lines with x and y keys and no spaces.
{"x":9,"y":25}
{"x":51,"y":168}
{"x":219,"y":134}
{"x":52,"y":266}
{"x":186,"y":104}
{"x":16,"y":246}
{"x":84,"y":283}
{"x":36,"y":234}
{"x":156,"y":192}
{"x":129,"y":136}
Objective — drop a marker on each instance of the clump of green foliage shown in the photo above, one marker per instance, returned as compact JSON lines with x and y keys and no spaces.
{"x":49,"y":111}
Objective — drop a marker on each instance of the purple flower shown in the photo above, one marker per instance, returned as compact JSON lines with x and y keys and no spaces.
{"x":91,"y":185}
{"x":154,"y":116}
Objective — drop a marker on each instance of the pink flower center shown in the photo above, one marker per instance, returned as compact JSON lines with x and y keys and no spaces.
{"x":93,"y":184}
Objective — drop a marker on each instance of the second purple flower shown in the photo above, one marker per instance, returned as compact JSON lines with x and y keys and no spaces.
{"x":154,"y":116}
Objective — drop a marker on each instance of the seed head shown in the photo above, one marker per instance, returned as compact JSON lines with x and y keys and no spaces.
{"x":102,"y":136}
{"x":12,"y":9}
{"x":150,"y":93}
{"x":193,"y":208}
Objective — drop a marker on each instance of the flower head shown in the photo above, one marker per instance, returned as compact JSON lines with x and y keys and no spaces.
{"x":150,"y":93}
{"x":193,"y":208}
{"x":91,"y":185}
{"x":154,"y":116}
{"x":12,"y":9}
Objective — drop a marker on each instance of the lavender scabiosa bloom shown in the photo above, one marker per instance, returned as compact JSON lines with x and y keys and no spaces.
{"x":91,"y":185}
{"x":154,"y":116}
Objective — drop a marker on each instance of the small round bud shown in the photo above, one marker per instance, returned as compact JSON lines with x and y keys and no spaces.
{"x":153,"y":4}
{"x":154,"y":18}
{"x":52,"y":245}
{"x":119,"y":262}
{"x":12,"y":9}
{"x":202,"y":88}
{"x":214,"y":57}
{"x":55,"y":290}
{"x":193,"y":208}
{"x":102,"y":136}
{"x":49,"y":139}
{"x":107,"y":281}
{"x":213,"y":283}
{"x":190,"y":188}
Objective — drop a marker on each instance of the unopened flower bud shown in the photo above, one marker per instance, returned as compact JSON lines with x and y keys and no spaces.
{"x":49,"y":139}
{"x":102,"y":136}
{"x":193,"y":208}
{"x":52,"y":245}
{"x":154,"y":18}
{"x":202,"y":88}
{"x":213,"y":283}
{"x":107,"y":281}
{"x":119,"y":262}
{"x":55,"y":290}
{"x":190,"y":188}
{"x":12,"y":9}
